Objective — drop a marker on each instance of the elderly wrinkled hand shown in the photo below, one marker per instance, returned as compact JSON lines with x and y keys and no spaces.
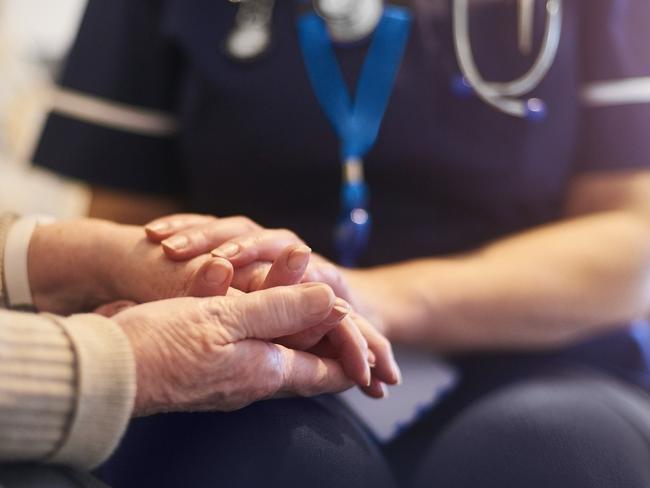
{"x":196,"y":354}
{"x":264,"y":258}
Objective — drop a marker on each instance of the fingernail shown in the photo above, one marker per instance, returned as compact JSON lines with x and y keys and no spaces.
{"x":158,"y":227}
{"x":384,"y":390}
{"x":318,"y":298}
{"x":228,"y":251}
{"x":217,"y":273}
{"x":176,"y":243}
{"x":367,"y":377}
{"x":340,"y":309}
{"x":298,"y":258}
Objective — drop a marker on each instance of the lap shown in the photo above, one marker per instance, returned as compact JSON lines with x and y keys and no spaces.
{"x":39,"y":476}
{"x":516,"y":420}
{"x":536,"y":423}
{"x":293,"y":442}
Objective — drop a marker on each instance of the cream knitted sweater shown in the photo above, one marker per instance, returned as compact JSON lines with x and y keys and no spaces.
{"x":66,"y":384}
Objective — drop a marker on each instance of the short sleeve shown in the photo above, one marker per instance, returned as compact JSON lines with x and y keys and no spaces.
{"x":113,"y":120}
{"x":615,"y":91}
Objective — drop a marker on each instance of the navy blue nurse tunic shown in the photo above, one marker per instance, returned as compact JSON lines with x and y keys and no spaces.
{"x":447,"y":174}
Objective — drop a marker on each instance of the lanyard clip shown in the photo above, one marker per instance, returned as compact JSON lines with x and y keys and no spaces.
{"x":352,"y":232}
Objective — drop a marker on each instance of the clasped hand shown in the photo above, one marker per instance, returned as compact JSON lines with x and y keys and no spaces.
{"x":266,"y":258}
{"x":264,"y":336}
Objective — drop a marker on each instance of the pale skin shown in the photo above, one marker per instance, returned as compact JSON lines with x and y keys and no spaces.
{"x":79,"y":265}
{"x":219,"y":354}
{"x":543,"y":288}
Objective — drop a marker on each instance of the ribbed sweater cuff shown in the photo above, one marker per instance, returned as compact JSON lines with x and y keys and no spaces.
{"x":105,"y":383}
{"x":37,"y":387}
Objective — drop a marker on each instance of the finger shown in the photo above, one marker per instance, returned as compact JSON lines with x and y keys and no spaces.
{"x":111,"y":309}
{"x":211,"y":279}
{"x":289,"y":268}
{"x":201,"y":239}
{"x":308,"y":375}
{"x":251,"y":277}
{"x":346,"y":344}
{"x":263,"y":245}
{"x":309,"y":338}
{"x":273,"y":313}
{"x":160,"y":229}
{"x":377,"y":389}
{"x":352,"y":351}
{"x":385,"y":367}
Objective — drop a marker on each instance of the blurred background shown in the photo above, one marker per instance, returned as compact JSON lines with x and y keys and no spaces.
{"x":34,"y":38}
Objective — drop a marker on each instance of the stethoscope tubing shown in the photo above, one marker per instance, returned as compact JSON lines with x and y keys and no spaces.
{"x":503,"y":95}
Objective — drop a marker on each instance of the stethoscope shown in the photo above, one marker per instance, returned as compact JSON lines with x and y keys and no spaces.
{"x":349,"y":21}
{"x":507,"y":96}
{"x":352,"y":20}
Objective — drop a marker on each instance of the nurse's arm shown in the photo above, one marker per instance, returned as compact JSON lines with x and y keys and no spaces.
{"x":546,"y":287}
{"x":130,"y":208}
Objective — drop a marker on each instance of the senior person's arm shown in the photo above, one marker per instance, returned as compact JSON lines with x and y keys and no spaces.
{"x":72,"y":266}
{"x":68,"y":386}
{"x":80,"y":264}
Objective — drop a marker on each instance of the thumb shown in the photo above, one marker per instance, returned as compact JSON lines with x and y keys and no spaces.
{"x":111,"y":309}
{"x":277,"y":312}
{"x":211,"y":279}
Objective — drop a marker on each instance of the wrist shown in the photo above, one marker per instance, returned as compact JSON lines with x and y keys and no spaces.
{"x":64,"y":263}
{"x":402,"y":296}
{"x":142,"y":395}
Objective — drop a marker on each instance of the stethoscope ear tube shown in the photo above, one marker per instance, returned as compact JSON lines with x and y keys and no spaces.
{"x":503,"y":96}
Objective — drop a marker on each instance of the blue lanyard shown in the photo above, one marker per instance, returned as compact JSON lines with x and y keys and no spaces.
{"x":357,"y":122}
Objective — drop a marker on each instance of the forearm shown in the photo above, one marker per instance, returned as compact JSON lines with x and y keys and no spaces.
{"x":538,"y":289}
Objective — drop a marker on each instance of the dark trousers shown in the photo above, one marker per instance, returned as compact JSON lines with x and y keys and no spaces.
{"x":33,"y":476}
{"x":579,"y":418}
{"x":277,"y":443}
{"x":568,"y":420}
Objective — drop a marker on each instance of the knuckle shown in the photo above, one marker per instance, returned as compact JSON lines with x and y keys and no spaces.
{"x":288,"y":234}
{"x":275,"y":371}
{"x":245,"y":222}
{"x":197,"y":238}
{"x":275,"y":382}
